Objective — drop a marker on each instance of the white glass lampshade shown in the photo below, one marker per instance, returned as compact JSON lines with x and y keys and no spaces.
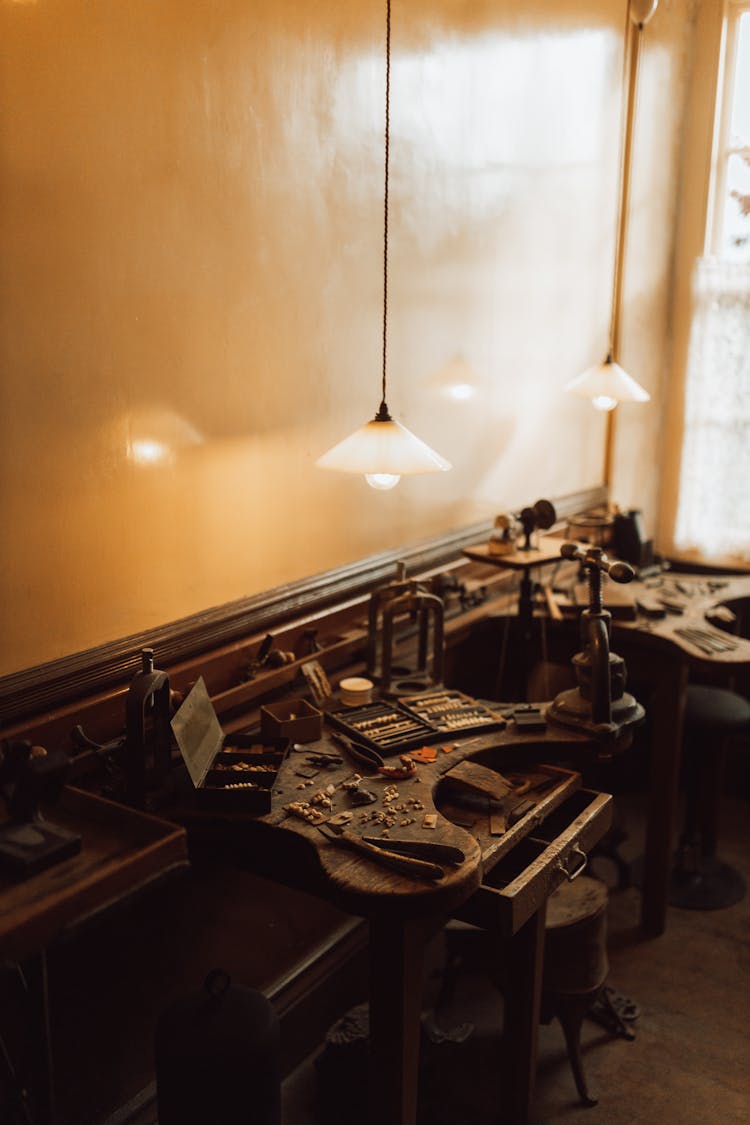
{"x":383,"y":450}
{"x":606,"y":384}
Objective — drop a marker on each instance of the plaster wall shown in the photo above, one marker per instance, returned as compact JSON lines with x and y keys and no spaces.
{"x":191,"y":284}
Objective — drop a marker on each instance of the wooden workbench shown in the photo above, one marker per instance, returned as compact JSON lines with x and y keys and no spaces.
{"x":655,"y":650}
{"x":667,"y":661}
{"x":404,"y":913}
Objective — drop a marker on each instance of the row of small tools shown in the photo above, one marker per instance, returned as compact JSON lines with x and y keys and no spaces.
{"x":450,"y":711}
{"x":385,"y":725}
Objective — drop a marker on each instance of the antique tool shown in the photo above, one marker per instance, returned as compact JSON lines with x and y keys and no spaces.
{"x":527,"y":717}
{"x":599,"y":705}
{"x":317,"y":682}
{"x":323,"y":760}
{"x":539,"y":517}
{"x":28,"y":842}
{"x":509,"y":526}
{"x":269,"y":656}
{"x":385,"y":726}
{"x":370,"y":757}
{"x":148,"y":735}
{"x":707,"y":640}
{"x":519,"y":811}
{"x":452,"y":711}
{"x":410,"y":600}
{"x":359,"y":751}
{"x":422,"y":849}
{"x":404,"y":864}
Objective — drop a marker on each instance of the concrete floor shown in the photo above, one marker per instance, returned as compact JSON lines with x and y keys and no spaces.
{"x":689,"y":1063}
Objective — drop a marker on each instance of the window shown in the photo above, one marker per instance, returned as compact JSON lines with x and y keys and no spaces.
{"x":731,"y":219}
{"x":713,"y":513}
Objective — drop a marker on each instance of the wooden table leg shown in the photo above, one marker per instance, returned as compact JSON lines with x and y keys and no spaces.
{"x":396,"y":979}
{"x":523,"y":956}
{"x":42,"y":1086}
{"x":667,"y":715}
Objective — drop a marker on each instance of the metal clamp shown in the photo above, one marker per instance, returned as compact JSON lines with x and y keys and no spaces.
{"x":577,"y":869}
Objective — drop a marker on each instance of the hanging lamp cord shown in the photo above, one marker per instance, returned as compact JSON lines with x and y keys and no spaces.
{"x":382,"y":414}
{"x":630,"y":60}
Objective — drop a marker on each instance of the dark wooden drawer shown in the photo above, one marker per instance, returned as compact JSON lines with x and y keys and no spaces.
{"x":518,"y":884}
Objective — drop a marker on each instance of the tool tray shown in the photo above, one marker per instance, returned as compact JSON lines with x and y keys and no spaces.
{"x":452,"y":712}
{"x":253,"y":762}
{"x":233,"y":773}
{"x":424,"y":718}
{"x":371,"y":723}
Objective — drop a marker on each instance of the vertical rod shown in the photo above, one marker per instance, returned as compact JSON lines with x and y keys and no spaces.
{"x":630,"y":79}
{"x":609,"y":447}
{"x":632,"y":50}
{"x":385,"y":196}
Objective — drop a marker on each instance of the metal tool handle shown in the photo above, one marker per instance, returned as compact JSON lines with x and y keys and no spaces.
{"x":405,"y":865}
{"x":572,"y":873}
{"x":441,"y":853}
{"x":594,"y":557}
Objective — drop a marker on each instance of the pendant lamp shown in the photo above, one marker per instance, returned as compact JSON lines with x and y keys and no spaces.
{"x":384,"y":450}
{"x":607,"y":384}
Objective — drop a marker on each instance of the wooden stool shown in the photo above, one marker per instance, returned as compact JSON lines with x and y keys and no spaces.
{"x":699,"y":881}
{"x":575,"y":963}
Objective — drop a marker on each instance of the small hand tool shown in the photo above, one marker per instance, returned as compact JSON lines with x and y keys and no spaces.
{"x":519,"y":811}
{"x":323,"y":760}
{"x":706,"y":640}
{"x":404,"y":864}
{"x":371,"y":758}
{"x":422,"y":849}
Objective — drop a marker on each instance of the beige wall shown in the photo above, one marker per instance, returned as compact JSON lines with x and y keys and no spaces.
{"x":191,"y":232}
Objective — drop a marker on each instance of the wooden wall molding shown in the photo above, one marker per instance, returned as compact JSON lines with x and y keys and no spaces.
{"x":33,"y":691}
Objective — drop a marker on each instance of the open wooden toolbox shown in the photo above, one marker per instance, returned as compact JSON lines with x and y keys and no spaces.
{"x":235,"y":773}
{"x":524,"y":863}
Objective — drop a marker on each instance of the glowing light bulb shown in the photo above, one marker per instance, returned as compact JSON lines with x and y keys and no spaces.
{"x":460,"y":391}
{"x":382,"y":481}
{"x":604,"y":402}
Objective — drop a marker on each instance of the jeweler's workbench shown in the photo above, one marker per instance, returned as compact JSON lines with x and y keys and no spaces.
{"x":666,"y":650}
{"x":469,"y":816}
{"x":666,"y":627}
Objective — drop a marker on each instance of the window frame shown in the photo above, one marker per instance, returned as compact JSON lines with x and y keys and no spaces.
{"x":723,"y":149}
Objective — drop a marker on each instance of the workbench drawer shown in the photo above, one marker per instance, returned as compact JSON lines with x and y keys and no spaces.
{"x":557,"y":849}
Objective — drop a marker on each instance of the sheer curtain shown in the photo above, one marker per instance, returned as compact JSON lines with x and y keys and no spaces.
{"x":713,"y":514}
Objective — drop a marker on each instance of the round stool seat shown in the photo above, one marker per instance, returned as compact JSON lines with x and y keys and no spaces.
{"x":575,"y":941}
{"x":575,"y":962}
{"x":715,"y":708}
{"x":700,"y":881}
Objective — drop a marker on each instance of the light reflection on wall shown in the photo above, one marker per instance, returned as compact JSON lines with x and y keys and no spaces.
{"x":154,"y":436}
{"x":483,"y":104}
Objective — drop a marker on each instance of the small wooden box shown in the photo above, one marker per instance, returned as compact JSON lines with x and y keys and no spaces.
{"x":295,"y":719}
{"x":240,"y":779}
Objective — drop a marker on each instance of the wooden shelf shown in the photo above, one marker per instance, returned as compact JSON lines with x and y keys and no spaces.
{"x":121,"y":850}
